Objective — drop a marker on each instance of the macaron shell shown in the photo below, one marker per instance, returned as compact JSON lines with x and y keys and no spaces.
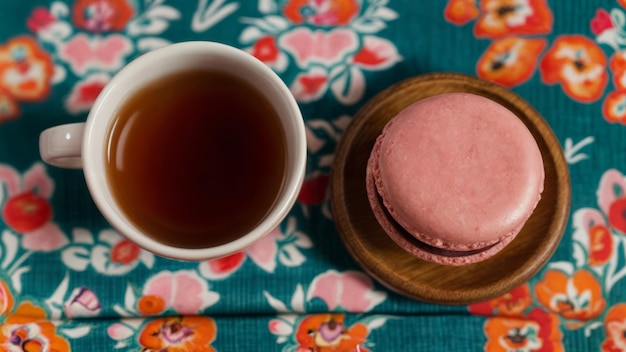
{"x":458,"y":171}
{"x":413,"y":245}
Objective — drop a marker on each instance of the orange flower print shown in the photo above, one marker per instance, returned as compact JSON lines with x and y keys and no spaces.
{"x":500,"y":18}
{"x":25,"y":69}
{"x":328,"y":333}
{"x":614,"y":107}
{"x":321,"y":12}
{"x":510,"y":61}
{"x":9,"y":109}
{"x":579,"y":65}
{"x":101,"y":15}
{"x":27,"y":329}
{"x":615,"y":328}
{"x":179,"y":334}
{"x":617,"y":64}
{"x":538,"y":331}
{"x":151,"y":305}
{"x":460,"y":12}
{"x":512,"y":303}
{"x":600,"y":245}
{"x":577,"y":298}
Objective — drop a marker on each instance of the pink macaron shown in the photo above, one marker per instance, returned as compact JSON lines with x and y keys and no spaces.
{"x":453,"y":178}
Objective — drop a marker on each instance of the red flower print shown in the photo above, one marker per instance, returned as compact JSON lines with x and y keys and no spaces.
{"x":577,"y":298}
{"x":102,"y":15}
{"x":600,"y":245}
{"x":321,"y":12}
{"x":538,"y":331}
{"x":460,"y":12}
{"x":500,"y":18}
{"x":125,"y":252}
{"x":311,"y":85}
{"x":510,"y":61}
{"x":376,"y":54}
{"x":25,"y":69}
{"x":601,"y":22}
{"x":614,"y":107}
{"x":615,"y":328}
{"x":40,"y":19}
{"x":617,"y":215}
{"x":328,"y":333}
{"x":26,"y":212}
{"x":314,"y":189}
{"x":179,"y":334}
{"x":612,"y":199}
{"x":26,"y":208}
{"x":579,"y":65}
{"x":265,"y":49}
{"x":222,"y":267}
{"x":85,"y":92}
{"x":512,"y":303}
{"x":622,"y":3}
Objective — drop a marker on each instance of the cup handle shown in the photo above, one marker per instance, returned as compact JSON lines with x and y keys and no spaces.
{"x":61,"y":145}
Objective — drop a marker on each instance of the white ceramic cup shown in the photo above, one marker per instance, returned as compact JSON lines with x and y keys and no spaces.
{"x":82,"y":144}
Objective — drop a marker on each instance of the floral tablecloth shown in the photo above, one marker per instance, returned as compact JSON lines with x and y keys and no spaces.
{"x":68,"y":281}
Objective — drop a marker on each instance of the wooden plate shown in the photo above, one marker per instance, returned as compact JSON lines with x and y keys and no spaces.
{"x":430,"y":282}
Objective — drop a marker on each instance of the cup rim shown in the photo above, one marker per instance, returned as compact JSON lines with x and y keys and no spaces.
{"x":97,"y":183}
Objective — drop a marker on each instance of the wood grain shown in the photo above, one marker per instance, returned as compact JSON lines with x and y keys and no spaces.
{"x":391,"y":265}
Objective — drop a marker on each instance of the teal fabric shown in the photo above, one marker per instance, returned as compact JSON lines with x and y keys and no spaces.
{"x":261,"y":298}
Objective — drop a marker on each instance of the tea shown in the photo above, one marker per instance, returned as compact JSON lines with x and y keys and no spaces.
{"x":196,"y":159}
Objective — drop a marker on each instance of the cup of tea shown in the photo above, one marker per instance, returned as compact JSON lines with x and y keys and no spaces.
{"x":193,"y":151}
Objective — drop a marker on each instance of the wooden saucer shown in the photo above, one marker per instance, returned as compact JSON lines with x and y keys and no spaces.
{"x":400,"y":271}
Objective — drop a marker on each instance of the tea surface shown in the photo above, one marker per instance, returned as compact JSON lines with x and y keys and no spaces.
{"x":196,"y":159}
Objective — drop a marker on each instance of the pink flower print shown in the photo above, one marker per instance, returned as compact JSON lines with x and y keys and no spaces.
{"x":311,"y":85}
{"x":103,"y":53}
{"x":351,"y":291}
{"x":120,"y":331}
{"x":85,"y":92}
{"x":266,"y":50}
{"x":263,"y":252}
{"x":601,"y":22}
{"x":277,"y":246}
{"x":183,"y":291}
{"x":319,"y":47}
{"x":376,"y":54}
{"x":26,"y":208}
{"x":83,"y":303}
{"x":40,"y":19}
